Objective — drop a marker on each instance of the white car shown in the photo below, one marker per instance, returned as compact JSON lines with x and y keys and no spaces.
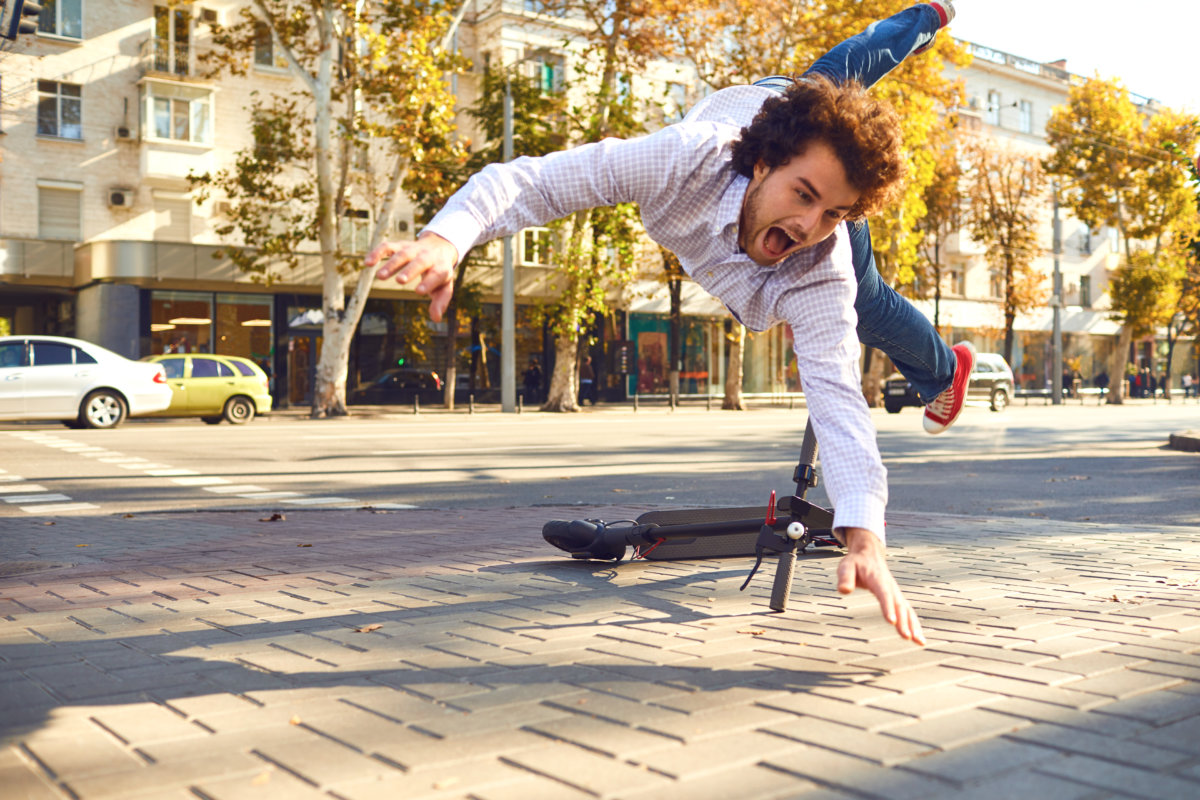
{"x":82,"y":384}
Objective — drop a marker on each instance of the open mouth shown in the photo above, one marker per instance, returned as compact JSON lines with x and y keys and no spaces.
{"x":777,"y":241}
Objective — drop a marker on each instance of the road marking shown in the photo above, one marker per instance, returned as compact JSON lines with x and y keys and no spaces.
{"x":199,"y":480}
{"x":8,"y":478}
{"x":28,"y":487}
{"x":233,"y":489}
{"x":35,"y":498}
{"x":470,"y":450}
{"x":318,"y":501}
{"x":164,"y":473}
{"x":269,"y":495}
{"x":60,"y":508}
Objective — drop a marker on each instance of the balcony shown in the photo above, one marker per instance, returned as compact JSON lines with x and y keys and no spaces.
{"x":165,"y":57}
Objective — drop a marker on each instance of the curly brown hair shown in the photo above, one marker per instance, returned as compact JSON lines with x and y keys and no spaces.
{"x":863,"y":132}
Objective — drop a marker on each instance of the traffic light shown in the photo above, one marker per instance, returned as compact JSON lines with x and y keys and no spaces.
{"x":22,"y":18}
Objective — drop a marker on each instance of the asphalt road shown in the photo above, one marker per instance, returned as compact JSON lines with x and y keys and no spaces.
{"x":1073,"y":462}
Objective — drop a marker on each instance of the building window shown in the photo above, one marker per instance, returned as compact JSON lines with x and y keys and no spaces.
{"x":1026,"y":116}
{"x":1085,"y":291}
{"x":62,"y":18}
{"x":60,"y":110}
{"x":992,"y":116}
{"x":676,"y":102}
{"x":179,"y":113}
{"x":1114,"y":240}
{"x":996,"y":283}
{"x":548,"y":70}
{"x":535,"y":247}
{"x":956,"y":281}
{"x":172,"y":40}
{"x":172,"y":219}
{"x":356,"y":230}
{"x":59,"y":213}
{"x":266,"y":54}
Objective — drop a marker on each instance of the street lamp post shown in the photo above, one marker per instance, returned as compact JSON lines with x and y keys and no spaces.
{"x":508,"y":336}
{"x":1056,"y":302}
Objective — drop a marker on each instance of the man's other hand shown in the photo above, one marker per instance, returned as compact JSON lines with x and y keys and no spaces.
{"x":430,"y":259}
{"x":865,"y":567}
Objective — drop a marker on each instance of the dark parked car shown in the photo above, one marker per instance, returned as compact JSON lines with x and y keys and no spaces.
{"x":991,"y":380}
{"x":400,"y":385}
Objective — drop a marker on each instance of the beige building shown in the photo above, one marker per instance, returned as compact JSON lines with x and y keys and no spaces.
{"x":105,"y":112}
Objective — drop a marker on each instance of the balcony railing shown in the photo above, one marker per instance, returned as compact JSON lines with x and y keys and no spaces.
{"x":167,"y":57}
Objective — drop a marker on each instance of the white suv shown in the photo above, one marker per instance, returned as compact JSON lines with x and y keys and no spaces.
{"x":82,"y":384}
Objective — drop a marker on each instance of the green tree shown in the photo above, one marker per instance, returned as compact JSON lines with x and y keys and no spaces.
{"x":1006,"y":192}
{"x":371,"y":118}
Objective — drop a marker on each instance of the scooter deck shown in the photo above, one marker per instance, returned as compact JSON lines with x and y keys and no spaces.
{"x":745,"y":525}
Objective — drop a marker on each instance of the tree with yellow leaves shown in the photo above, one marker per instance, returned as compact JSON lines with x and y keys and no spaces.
{"x":1005,"y":194}
{"x":1115,"y":169}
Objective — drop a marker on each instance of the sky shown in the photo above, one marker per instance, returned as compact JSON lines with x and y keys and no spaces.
{"x":1149,"y":45}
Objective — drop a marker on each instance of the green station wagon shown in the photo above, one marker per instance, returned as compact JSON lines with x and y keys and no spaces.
{"x":214,"y":387}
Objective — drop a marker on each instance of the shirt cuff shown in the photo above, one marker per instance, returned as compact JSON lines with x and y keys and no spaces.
{"x":859,"y":511}
{"x":459,"y":227}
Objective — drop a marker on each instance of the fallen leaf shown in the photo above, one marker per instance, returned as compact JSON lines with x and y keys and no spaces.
{"x":276,"y":517}
{"x":753,"y":631}
{"x":261,"y":778}
{"x":49,"y":522}
{"x":445,"y":783}
{"x":295,"y":720}
{"x":129,"y":516}
{"x":81,"y":545}
{"x":374,"y":626}
{"x":304,"y":545}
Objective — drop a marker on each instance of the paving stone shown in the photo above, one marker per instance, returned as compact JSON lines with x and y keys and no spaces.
{"x":1099,"y":745}
{"x":585,"y":770}
{"x":1128,"y":780}
{"x":957,"y":728}
{"x":855,"y":776}
{"x":1120,"y":685}
{"x":751,"y":782}
{"x":979,"y":761}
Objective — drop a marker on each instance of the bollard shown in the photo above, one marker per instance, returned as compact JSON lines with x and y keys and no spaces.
{"x":708,"y":403}
{"x":471,"y":404}
{"x":520,"y":403}
{"x":416,"y":404}
{"x":635,"y":402}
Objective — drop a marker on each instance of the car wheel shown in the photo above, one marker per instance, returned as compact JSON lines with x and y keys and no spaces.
{"x":102,"y":409}
{"x":999,"y":399}
{"x":211,"y":420}
{"x":239,"y":410}
{"x":892,"y":407}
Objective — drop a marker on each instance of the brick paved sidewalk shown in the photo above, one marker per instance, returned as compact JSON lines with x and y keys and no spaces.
{"x":416,"y":654}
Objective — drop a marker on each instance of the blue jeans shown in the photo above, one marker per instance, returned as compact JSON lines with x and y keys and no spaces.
{"x":886,"y":320}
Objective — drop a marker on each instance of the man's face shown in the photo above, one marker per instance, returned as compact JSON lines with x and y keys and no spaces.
{"x":794,"y":205}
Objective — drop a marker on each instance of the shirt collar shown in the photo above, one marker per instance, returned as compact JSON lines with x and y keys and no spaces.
{"x":730,"y":207}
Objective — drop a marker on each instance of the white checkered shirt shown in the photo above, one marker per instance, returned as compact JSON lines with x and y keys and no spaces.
{"x":690,"y":199}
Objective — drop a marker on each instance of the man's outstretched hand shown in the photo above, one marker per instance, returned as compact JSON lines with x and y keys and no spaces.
{"x":429,"y":258}
{"x":865,"y":567}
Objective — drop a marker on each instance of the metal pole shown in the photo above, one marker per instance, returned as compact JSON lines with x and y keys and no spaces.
{"x":1056,"y":302}
{"x":508,"y":337}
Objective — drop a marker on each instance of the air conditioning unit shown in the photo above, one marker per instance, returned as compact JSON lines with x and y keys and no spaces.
{"x":120,"y":198}
{"x":223,"y":208}
{"x":207,"y":15}
{"x":124,"y":133}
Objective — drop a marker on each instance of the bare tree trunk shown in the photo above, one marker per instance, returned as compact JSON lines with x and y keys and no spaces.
{"x":564,"y":381}
{"x":872,"y":376}
{"x":1116,"y":367}
{"x":733,"y":375}
{"x":451,"y":356}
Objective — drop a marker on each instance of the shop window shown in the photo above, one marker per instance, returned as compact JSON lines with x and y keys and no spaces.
{"x":181,"y":322}
{"x":243,"y":327}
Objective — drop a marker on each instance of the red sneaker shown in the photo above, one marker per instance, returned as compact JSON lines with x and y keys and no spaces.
{"x":945,"y":408}
{"x":945,"y":12}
